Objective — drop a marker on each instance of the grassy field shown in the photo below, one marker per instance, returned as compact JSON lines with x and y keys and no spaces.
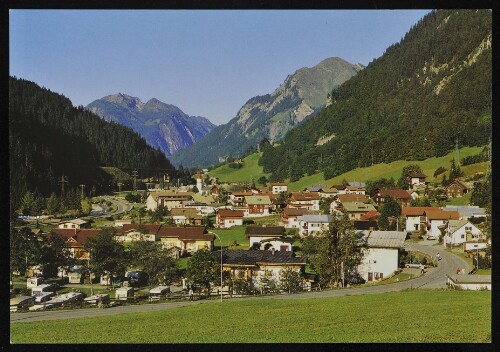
{"x":408,"y":316}
{"x":251,"y":170}
{"x":227,"y":236}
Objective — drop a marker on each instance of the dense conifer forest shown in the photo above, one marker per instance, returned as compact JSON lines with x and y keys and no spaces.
{"x":49,"y":138}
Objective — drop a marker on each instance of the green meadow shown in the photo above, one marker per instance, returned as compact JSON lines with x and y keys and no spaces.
{"x":252,"y":171}
{"x":407,"y":316}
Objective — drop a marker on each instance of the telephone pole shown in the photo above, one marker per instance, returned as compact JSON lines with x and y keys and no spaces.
{"x":135,"y":175}
{"x":64,"y":180}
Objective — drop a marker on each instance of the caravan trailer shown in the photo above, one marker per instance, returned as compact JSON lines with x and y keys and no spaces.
{"x":41,"y":297}
{"x":20,"y":303}
{"x":124,"y":293}
{"x":44,"y":288}
{"x":157,"y":293}
{"x":34,"y":281}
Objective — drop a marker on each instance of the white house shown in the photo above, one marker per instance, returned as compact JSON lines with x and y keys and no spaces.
{"x":258,"y":205}
{"x":415,"y":217}
{"x":437,"y":218}
{"x":226,"y":218}
{"x":74,"y":224}
{"x":137,"y":232}
{"x":458,"y":232}
{"x":255,"y":234}
{"x":167,"y":199}
{"x":289,"y":217}
{"x":469,"y":282}
{"x":276,"y":244}
{"x":381,"y":258}
{"x":310,"y":225}
{"x":277,"y":188}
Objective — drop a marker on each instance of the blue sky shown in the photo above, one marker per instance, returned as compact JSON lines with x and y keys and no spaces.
{"x":206,"y":62}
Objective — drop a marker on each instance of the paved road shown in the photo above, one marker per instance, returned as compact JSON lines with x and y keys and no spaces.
{"x":433,"y":278}
{"x":121,"y":207}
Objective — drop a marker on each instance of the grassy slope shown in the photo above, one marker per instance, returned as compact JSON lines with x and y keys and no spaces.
{"x":253,"y":170}
{"x":408,"y":316}
{"x":250,"y":170}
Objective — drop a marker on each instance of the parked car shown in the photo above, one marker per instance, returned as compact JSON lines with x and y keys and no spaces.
{"x":137,"y":278}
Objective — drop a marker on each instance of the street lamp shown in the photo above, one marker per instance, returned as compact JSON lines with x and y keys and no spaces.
{"x":220,"y":241}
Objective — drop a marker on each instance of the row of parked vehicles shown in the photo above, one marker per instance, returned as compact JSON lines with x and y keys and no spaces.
{"x":44,"y":295}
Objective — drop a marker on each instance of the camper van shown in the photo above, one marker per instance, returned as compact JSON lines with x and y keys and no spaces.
{"x":44,"y":288}
{"x":34,"y":281}
{"x":41,"y":297}
{"x":78,"y":275}
{"x":65,"y":299}
{"x":157,"y":293}
{"x":124,"y":293}
{"x":21,"y":303}
{"x":94,"y":299}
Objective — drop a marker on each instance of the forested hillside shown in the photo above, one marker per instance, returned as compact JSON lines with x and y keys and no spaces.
{"x":49,"y":137}
{"x":425,"y":94}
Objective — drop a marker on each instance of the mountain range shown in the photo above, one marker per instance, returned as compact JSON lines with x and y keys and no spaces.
{"x":424,"y":96}
{"x":270,"y":116}
{"x":163,"y":126}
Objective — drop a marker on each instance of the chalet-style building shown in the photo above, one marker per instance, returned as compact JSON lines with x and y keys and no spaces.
{"x":255,"y":234}
{"x":186,"y":216}
{"x":253,"y":265}
{"x":457,"y":232}
{"x":306,"y":200}
{"x":237,"y":199}
{"x":457,"y":189}
{"x":258,"y":205}
{"x":74,"y":224}
{"x":355,"y":190}
{"x":436,"y":218}
{"x":337,"y":203}
{"x":137,"y":232}
{"x":312,"y":225}
{"x":76,"y":239}
{"x":415,"y":217}
{"x":400,"y":195}
{"x":227,"y":218}
{"x":355,"y":210}
{"x":186,"y":239}
{"x":289,"y":217}
{"x":415,"y":179}
{"x":167,"y":199}
{"x":328,"y":192}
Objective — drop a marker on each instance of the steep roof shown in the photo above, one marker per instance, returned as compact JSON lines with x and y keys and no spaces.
{"x":293,"y":212}
{"x":186,"y":233}
{"x":438,"y":214}
{"x":230,"y":213}
{"x":414,"y":211}
{"x":395,"y":193}
{"x":352,"y":198}
{"x":308,"y":196}
{"x":254,"y":257}
{"x":384,"y":239}
{"x":454,"y":225}
{"x":150,"y":228}
{"x":76,"y":237}
{"x":265,"y":231}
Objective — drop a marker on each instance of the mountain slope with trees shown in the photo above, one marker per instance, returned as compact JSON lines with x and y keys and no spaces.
{"x":270,"y":116}
{"x":422,"y":96}
{"x":163,"y":126}
{"x":49,"y":138}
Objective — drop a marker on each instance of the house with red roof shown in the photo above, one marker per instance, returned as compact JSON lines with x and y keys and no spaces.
{"x":76,"y":239}
{"x":186,"y":239}
{"x":226,"y":218}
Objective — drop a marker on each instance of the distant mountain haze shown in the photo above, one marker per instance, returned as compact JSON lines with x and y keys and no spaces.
{"x":163,"y":126}
{"x":270,"y":116}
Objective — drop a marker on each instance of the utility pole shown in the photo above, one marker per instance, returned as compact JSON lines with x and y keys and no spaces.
{"x":135,"y":175}
{"x":64,"y":180}
{"x":82,"y":186}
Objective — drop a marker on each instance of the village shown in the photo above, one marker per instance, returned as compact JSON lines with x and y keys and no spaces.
{"x":257,"y":236}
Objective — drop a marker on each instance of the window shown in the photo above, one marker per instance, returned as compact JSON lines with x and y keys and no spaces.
{"x":462,"y":236}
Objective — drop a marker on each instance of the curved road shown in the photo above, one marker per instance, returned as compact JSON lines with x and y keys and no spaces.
{"x":434,"y":278}
{"x":121,"y":207}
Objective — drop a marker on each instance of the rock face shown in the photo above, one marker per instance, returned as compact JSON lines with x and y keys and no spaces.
{"x":162,"y":125}
{"x":270,"y":116}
